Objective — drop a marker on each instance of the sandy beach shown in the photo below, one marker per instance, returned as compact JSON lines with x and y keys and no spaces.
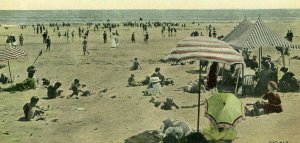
{"x":113,"y":120}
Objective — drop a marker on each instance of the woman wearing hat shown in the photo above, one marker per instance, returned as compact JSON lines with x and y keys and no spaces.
{"x":154,"y":87}
{"x":272,"y":106}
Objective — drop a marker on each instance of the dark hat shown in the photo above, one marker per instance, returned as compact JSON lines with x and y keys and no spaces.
{"x":157,"y":69}
{"x":76,"y":80}
{"x":34,"y":99}
{"x":132,"y":75}
{"x":57,"y":84}
{"x":284,"y":69}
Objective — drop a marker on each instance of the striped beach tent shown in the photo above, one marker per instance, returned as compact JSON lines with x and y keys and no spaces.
{"x":10,"y":53}
{"x":204,"y":48}
{"x":249,"y":36}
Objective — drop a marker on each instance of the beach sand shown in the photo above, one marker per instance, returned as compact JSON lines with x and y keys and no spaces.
{"x":112,"y":120}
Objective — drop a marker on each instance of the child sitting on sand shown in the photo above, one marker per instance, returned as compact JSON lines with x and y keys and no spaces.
{"x":76,"y":87}
{"x":31,"y":110}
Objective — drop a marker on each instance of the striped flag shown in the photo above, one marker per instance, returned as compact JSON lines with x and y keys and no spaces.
{"x":11,"y":53}
{"x":204,"y":48}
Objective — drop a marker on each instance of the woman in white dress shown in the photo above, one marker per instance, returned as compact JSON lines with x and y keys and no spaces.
{"x":114,"y":41}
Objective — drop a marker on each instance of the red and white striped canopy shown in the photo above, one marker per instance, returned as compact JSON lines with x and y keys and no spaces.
{"x":11,"y":53}
{"x":204,"y":48}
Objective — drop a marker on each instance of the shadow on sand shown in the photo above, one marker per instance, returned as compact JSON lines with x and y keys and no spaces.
{"x":144,"y":137}
{"x":22,"y":119}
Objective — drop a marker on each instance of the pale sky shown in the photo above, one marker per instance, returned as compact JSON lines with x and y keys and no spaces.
{"x":146,"y":4}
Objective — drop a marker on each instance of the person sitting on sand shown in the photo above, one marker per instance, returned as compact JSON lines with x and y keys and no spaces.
{"x":54,"y":91}
{"x":288,"y":82}
{"x":146,"y":81}
{"x":4,"y":79}
{"x":272,"y":106}
{"x":46,"y":82}
{"x":154,"y":87}
{"x":30,"y":109}
{"x":159,"y":75}
{"x":174,"y":131}
{"x":31,"y":71}
{"x":136,"y":65}
{"x":131,"y":81}
{"x":76,"y":87}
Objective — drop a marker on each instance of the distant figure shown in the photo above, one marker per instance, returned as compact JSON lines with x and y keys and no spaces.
{"x":21,"y":39}
{"x":254,"y":63}
{"x":288,"y":82}
{"x":44,"y":37}
{"x":131,"y":81}
{"x":48,"y":42}
{"x":105,"y":37}
{"x":85,"y":45}
{"x":146,"y":37}
{"x":132,"y":37}
{"x":117,"y":33}
{"x":31,"y":71}
{"x":114,"y":41}
{"x":59,"y":34}
{"x":135,"y":64}
{"x":73,"y":35}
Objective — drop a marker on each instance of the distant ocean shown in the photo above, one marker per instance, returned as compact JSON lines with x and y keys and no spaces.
{"x":100,"y":16}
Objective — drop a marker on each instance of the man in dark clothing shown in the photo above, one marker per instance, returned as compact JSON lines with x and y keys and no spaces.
{"x":288,"y":82}
{"x":48,"y":42}
{"x":105,"y":37}
{"x":254,"y":63}
{"x":44,"y":37}
{"x":264,"y":77}
{"x":21,"y":39}
{"x":132,"y":37}
{"x":159,"y":75}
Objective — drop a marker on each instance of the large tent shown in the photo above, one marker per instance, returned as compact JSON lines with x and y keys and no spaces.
{"x":249,"y":36}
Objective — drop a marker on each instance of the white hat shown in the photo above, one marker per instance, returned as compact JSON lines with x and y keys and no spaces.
{"x":154,"y":79}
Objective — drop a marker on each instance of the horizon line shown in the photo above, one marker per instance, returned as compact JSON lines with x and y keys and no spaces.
{"x":151,"y":9}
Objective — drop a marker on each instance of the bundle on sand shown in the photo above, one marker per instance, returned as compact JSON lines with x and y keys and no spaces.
{"x":27,"y":84}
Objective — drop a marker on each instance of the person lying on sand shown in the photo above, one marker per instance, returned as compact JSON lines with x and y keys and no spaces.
{"x":174,"y":131}
{"x":27,"y":84}
{"x":168,"y":104}
{"x":193,"y":87}
{"x":261,"y":107}
{"x":54,"y":91}
{"x":31,"y":109}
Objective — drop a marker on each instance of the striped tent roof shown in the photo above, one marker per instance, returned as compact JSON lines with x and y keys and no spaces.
{"x":204,"y":48}
{"x":249,"y":36}
{"x":11,"y":53}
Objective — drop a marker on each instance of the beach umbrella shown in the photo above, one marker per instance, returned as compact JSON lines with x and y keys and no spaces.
{"x":7,"y":54}
{"x":208,"y":49}
{"x":224,"y":110}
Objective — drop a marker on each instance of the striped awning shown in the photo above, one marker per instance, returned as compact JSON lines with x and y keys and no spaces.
{"x":249,"y":36}
{"x":205,"y":48}
{"x":11,"y":53}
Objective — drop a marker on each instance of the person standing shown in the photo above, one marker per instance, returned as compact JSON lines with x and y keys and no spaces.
{"x":132,"y":37}
{"x":146,"y":37}
{"x":105,"y":37}
{"x":73,"y":35}
{"x":44,"y":37}
{"x":84,"y":43}
{"x":21,"y":39}
{"x":48,"y":42}
{"x":212,"y":77}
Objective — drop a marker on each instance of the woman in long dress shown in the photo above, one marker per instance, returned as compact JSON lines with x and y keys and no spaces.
{"x":114,"y":41}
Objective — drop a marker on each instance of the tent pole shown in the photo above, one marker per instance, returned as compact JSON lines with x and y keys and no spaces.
{"x":10,"y":72}
{"x":237,"y":82}
{"x":259,"y":58}
{"x":199,"y":93}
{"x":243,"y":79}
